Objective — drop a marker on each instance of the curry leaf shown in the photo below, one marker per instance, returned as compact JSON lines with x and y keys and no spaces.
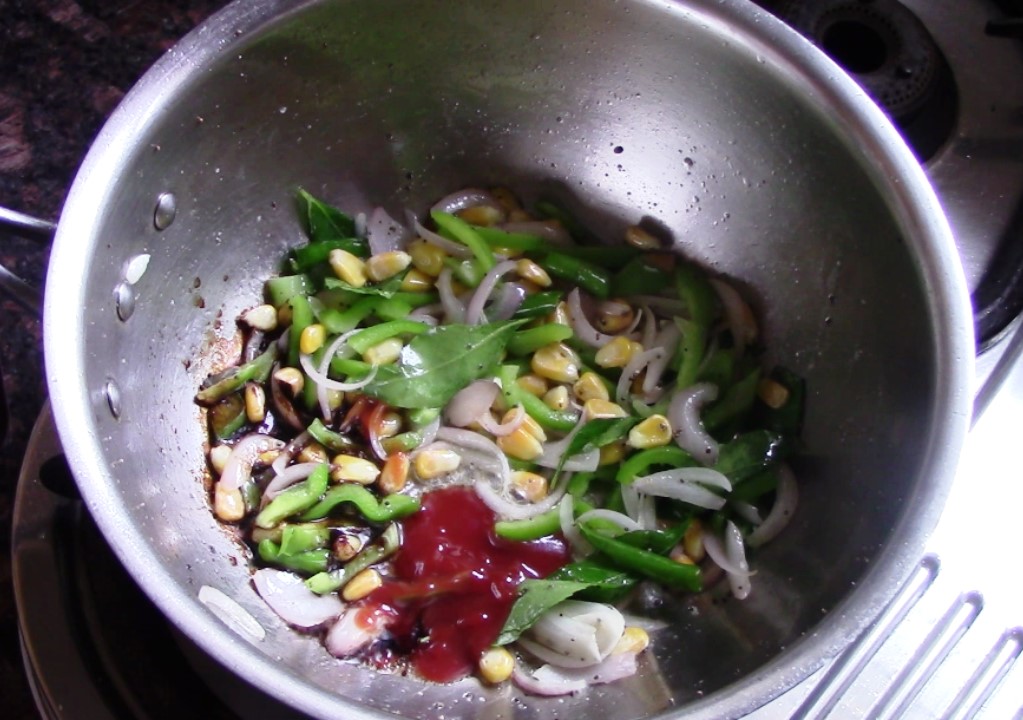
{"x":386,"y":289}
{"x":324,"y":222}
{"x":536,"y":598}
{"x":440,"y":362}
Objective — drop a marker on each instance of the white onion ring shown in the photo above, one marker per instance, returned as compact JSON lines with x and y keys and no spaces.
{"x":384,"y":233}
{"x":716,"y":551}
{"x":286,"y":478}
{"x":581,"y":325}
{"x":587,"y":461}
{"x":740,"y":318}
{"x":550,"y":230}
{"x":640,"y":507}
{"x":474,"y":310}
{"x":623,"y":521}
{"x":327,"y":383}
{"x":238,"y":468}
{"x":354,"y":630}
{"x":427,"y":313}
{"x":467,"y":198}
{"x":649,"y":336}
{"x":471,"y":402}
{"x":747,"y":511}
{"x":454,"y":309}
{"x":669,"y":483}
{"x":684,"y":415}
{"x":548,"y":687}
{"x":514,"y":422}
{"x":511,"y":510}
{"x":429,"y":431}
{"x":509,"y":297}
{"x":575,"y":634}
{"x":294,"y":446}
{"x":455,"y":249}
{"x":667,"y":339}
{"x":614,"y":667}
{"x":231,"y":613}
{"x":632,"y":369}
{"x":785,"y":502}
{"x":566,"y":518}
{"x":735,"y":551}
{"x":289,"y":597}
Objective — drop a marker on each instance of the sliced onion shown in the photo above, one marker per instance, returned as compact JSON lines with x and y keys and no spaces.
{"x":293,"y":447}
{"x":231,"y":613}
{"x":551,"y":686}
{"x":454,"y":309}
{"x":581,"y":325}
{"x":704,"y":476}
{"x":632,"y":369}
{"x":684,"y":415}
{"x":238,"y":468}
{"x":740,"y":318}
{"x":550,"y":230}
{"x":575,"y":634}
{"x":486,"y":447}
{"x":566,"y":518}
{"x":640,"y":507}
{"x":357,"y":627}
{"x":467,"y":198}
{"x":785,"y":502}
{"x":509,"y":509}
{"x":288,"y":596}
{"x":667,"y":340}
{"x":474,"y":310}
{"x":514,"y":422}
{"x":553,"y":452}
{"x":716,"y":551}
{"x":427,"y":313}
{"x":327,"y":383}
{"x":735,"y":551}
{"x":286,"y":478}
{"x":623,"y":521}
{"x":747,"y":511}
{"x":507,"y":300}
{"x":470,"y":402}
{"x":649,"y":336}
{"x":429,"y":431}
{"x":668,"y":483}
{"x":360,"y":225}
{"x":384,"y":233}
{"x":613,"y":667}
{"x":452,"y":248}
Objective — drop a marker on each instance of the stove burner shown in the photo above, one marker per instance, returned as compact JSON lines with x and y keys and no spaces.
{"x":890,"y":53}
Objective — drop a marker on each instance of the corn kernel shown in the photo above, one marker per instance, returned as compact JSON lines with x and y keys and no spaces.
{"x":261,"y":317}
{"x":678,"y":554}
{"x":521,"y":444}
{"x":560,"y":314}
{"x":435,"y":462}
{"x":640,"y":238}
{"x":292,"y":378}
{"x":313,"y":453}
{"x":655,"y":431}
{"x":284,"y":314}
{"x":557,"y":398}
{"x":416,"y":280}
{"x":485,"y":215}
{"x":228,"y":503}
{"x":395,"y":473}
{"x":346,"y":546}
{"x":532,"y":384}
{"x":589,"y":386}
{"x":255,"y":403}
{"x":348,"y":267}
{"x":612,"y":453}
{"x":529,"y":270}
{"x":390,"y":424}
{"x":312,"y":338}
{"x":614,"y":316}
{"x":773,"y":393}
{"x":530,"y":486}
{"x":364,"y":582}
{"x":692,"y":541}
{"x":556,"y":362}
{"x":348,"y":468}
{"x":633,"y":641}
{"x":597,"y":408}
{"x":529,"y":425}
{"x":387,"y":264}
{"x":496,"y":665}
{"x":335,"y":398}
{"x":384,"y":352}
{"x":219,"y":455}
{"x":617,"y":352}
{"x":427,"y":258}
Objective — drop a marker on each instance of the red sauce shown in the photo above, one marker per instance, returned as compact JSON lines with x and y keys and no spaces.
{"x":454,"y":582}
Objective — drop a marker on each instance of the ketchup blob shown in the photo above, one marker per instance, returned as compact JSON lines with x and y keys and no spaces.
{"x":454,"y":582}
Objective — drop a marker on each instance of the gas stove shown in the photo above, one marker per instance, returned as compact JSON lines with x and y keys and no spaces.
{"x":950,"y":75}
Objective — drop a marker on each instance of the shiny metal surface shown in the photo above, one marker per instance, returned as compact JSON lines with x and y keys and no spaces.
{"x":765,"y":161}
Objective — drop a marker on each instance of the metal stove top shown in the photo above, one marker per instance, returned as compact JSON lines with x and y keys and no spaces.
{"x":947,"y":646}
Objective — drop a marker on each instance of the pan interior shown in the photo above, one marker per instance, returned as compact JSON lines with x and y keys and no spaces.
{"x":624,"y":111}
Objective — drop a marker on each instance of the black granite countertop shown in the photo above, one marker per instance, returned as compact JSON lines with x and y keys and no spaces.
{"x":64,"y":66}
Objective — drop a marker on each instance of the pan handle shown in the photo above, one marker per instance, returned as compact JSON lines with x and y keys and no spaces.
{"x":26,"y":226}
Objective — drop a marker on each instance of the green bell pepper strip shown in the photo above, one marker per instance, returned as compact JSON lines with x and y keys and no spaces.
{"x":542,"y":525}
{"x":281,"y":289}
{"x":392,"y":308}
{"x":385,"y":546}
{"x":301,"y":318}
{"x":522,"y":242}
{"x":638,"y":277}
{"x":390,"y":507}
{"x":530,"y":340}
{"x":737,"y":401}
{"x":643,"y":562}
{"x":307,"y":256}
{"x":748,"y":454}
{"x":787,"y":419}
{"x":608,"y":257}
{"x":755,"y":486}
{"x":363,"y":340}
{"x":227,"y":416}
{"x":257,"y":371}
{"x":718,"y":368}
{"x":469,"y":272}
{"x":696,"y":293}
{"x":466,"y":234}
{"x":341,"y":321}
{"x":691,"y":349}
{"x":553,"y":211}
{"x":296,"y":499}
{"x":549,"y":419}
{"x":306,"y":561}
{"x":589,"y":276}
{"x":304,"y":536}
{"x":349,"y":368}
{"x":538,"y":304}
{"x":639,"y":463}
{"x":333,"y":441}
{"x":660,"y":542}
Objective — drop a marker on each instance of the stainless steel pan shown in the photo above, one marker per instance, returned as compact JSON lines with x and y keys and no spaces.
{"x":764,"y":161}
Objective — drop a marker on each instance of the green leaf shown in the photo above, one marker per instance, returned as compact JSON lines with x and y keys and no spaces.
{"x":440,"y":362}
{"x":386,"y":289}
{"x":324,"y":222}
{"x":604,"y":584}
{"x":536,"y":598}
